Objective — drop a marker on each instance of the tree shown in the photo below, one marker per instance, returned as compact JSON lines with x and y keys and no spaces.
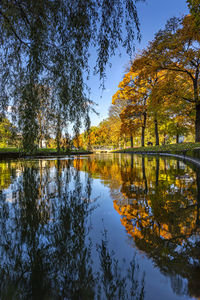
{"x":28,"y":107}
{"x":8,"y":133}
{"x":48,"y":42}
{"x":194,"y":6}
{"x":148,"y":80}
{"x":116,"y":122}
{"x":45,"y":115}
{"x":177,"y":49}
{"x":136,"y":95}
{"x":158,"y":91}
{"x":131,"y":121}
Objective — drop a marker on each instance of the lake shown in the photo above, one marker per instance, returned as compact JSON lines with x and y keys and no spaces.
{"x":107,"y":226}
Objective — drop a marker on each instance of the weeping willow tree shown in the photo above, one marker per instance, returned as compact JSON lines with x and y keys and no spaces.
{"x":48,"y":43}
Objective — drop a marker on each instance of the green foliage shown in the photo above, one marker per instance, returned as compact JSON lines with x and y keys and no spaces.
{"x":194,"y":6}
{"x":48,"y":43}
{"x":8,"y":150}
{"x":28,"y":117}
{"x":8,"y":133}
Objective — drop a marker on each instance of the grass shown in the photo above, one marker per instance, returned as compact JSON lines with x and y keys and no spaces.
{"x":12,"y":150}
{"x":166,"y":148}
{"x":9,"y":150}
{"x":15,"y":150}
{"x":189,"y":149}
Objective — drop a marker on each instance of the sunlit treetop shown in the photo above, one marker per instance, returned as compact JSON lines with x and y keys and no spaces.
{"x":194,"y":6}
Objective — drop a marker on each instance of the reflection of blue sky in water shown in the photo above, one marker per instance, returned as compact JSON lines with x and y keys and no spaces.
{"x":50,"y":234}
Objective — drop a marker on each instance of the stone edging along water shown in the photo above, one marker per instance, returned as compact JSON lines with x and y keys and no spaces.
{"x":195,"y":161}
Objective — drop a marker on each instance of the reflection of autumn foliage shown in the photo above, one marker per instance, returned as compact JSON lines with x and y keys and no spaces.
{"x":158,"y":200}
{"x":102,"y":167}
{"x":164,"y":222}
{"x":46,"y":251}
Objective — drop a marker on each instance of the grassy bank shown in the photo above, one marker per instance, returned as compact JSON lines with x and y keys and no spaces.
{"x":19,"y":153}
{"x":189,"y":149}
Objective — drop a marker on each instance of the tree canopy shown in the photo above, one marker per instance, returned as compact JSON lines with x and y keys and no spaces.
{"x":48,"y":43}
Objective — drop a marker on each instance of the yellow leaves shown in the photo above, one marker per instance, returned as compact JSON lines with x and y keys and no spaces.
{"x":116,"y":96}
{"x":78,"y":141}
{"x":160,"y":80}
{"x":190,"y":28}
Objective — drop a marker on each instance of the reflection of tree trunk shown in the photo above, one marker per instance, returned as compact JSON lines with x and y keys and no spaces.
{"x":58,"y":177}
{"x":143,"y":128}
{"x":157,"y":170}
{"x":144,"y":174}
{"x":165,"y":166}
{"x":131,"y":161}
{"x":131,"y":173}
{"x":156,"y":130}
{"x":88,"y":188}
{"x":41,"y":175}
{"x":131,"y":138}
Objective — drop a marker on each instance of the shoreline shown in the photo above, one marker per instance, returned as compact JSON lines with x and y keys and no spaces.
{"x":19,"y":155}
{"x":182,"y":156}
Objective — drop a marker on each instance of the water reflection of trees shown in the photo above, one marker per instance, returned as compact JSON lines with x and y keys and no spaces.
{"x":114,"y":284}
{"x":159,"y":202}
{"x":45,"y":249}
{"x":44,"y":241}
{"x":164,"y":223}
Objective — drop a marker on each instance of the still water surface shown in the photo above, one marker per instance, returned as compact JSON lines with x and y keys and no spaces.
{"x":99,"y":227}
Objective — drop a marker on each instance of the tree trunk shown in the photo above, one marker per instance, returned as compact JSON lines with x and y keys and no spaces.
{"x":156,"y":130}
{"x":198,"y":198}
{"x":197,"y":123}
{"x":124,"y":141}
{"x":164,"y":140}
{"x":40,"y":130}
{"x":177,"y":133}
{"x":131,"y":141}
{"x":143,"y":128}
{"x":196,"y":99}
{"x":177,"y":138}
{"x":89,"y":141}
{"x":58,"y":133}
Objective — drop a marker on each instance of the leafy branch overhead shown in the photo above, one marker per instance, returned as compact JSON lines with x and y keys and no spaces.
{"x":48,"y":43}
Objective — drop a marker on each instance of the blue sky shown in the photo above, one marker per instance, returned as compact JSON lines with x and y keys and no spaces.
{"x":153,"y":16}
